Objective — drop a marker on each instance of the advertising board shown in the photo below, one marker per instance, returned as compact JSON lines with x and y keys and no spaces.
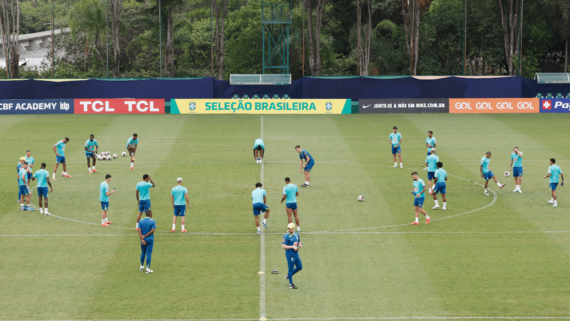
{"x":119,"y":106}
{"x":260,"y":106}
{"x":493,"y":105}
{"x":36,"y":106}
{"x":409,"y":105}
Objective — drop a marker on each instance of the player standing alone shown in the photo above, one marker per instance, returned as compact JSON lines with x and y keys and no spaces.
{"x":60,"y":156}
{"x":259,"y":199}
{"x":290,"y":193}
{"x":132,"y":145}
{"x":43,"y":181}
{"x":258,"y":150}
{"x":516,"y":165}
{"x":91,"y":150}
{"x":179,"y":198}
{"x":309,"y":163}
{"x":430,"y":143}
{"x":486,"y":172}
{"x":553,"y":172}
{"x":440,"y":185}
{"x":104,"y":198}
{"x":146,"y":233}
{"x":291,"y":244}
{"x":419,"y":197}
{"x":395,"y":139}
{"x":143,"y":196}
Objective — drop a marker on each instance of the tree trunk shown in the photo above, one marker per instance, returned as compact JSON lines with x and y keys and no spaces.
{"x":366,"y":54}
{"x":417,"y":16}
{"x":11,"y":36}
{"x":358,"y":33}
{"x":311,"y":43}
{"x":169,"y":48}
{"x":116,"y":7}
{"x":406,"y":24}
{"x":566,"y":57}
{"x":318,"y":24}
{"x":510,"y":26}
{"x":221,"y":13}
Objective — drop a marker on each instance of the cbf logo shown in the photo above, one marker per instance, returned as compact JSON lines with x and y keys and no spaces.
{"x":328,"y":106}
{"x":192,"y":106}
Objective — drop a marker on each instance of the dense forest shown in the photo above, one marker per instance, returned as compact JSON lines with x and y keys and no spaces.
{"x":217,"y":38}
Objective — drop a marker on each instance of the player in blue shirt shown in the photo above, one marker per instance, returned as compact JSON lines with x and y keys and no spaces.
{"x":31,"y":163}
{"x":43,"y":181}
{"x":430,"y":143}
{"x":146,"y":234}
{"x":309,"y":163}
{"x":290,"y":193}
{"x":291,"y":244}
{"x":104,"y":198}
{"x":486,"y":172}
{"x":431,"y":162}
{"x":517,"y":169}
{"x":419,"y":197}
{"x":91,"y":151}
{"x":440,"y":178}
{"x":395,"y":140}
{"x":24,"y":187}
{"x":259,"y":199}
{"x":132,"y":145}
{"x":553,"y":172}
{"x":258,"y":150}
{"x":18,"y":167}
{"x":59,"y":150}
{"x":143,"y":196}
{"x":179,"y":198}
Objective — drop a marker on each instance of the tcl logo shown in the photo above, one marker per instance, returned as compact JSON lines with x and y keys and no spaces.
{"x":119,"y":106}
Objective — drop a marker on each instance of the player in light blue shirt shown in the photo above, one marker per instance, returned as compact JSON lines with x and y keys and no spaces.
{"x":259,"y":200}
{"x":290,"y":193}
{"x":292,"y":244}
{"x":430,"y":143}
{"x":43,"y":181}
{"x":395,"y":140}
{"x":486,"y":172}
{"x":309,"y":163}
{"x":91,"y":150}
{"x":440,"y":178}
{"x":146,"y":234}
{"x":132,"y":145}
{"x":431,"y":161}
{"x":31,"y":163}
{"x":143,"y":196}
{"x":258,"y":150}
{"x":59,"y":150}
{"x":516,"y":167}
{"x":419,"y":197}
{"x":179,"y":198}
{"x":104,"y":198}
{"x":553,"y":172}
{"x":24,"y":184}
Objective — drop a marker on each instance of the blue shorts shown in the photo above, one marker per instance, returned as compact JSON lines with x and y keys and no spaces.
{"x":179,"y":210}
{"x":258,"y":208}
{"x":439,"y":188}
{"x":104,"y":206}
{"x":89,"y":154}
{"x":419,"y":202}
{"x":24,"y":190}
{"x":429,"y":153}
{"x":552,"y":186}
{"x":292,"y":206}
{"x":431,"y":175}
{"x":396,"y":150}
{"x":255,"y":147}
{"x":29,"y":175}
{"x":60,"y":159}
{"x":309,"y":166}
{"x":489,"y":175}
{"x":43,"y":191}
{"x":144,"y":205}
{"x":517,"y":171}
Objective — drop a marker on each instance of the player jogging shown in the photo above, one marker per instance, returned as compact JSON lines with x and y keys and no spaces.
{"x":104,"y":198}
{"x":290,"y":192}
{"x":430,"y":143}
{"x":59,"y":150}
{"x":143,"y":196}
{"x":553,"y":172}
{"x":258,"y":150}
{"x":24,"y":187}
{"x":486,"y":172}
{"x":419,"y":197}
{"x":179,"y":198}
{"x":431,"y":162}
{"x":291,"y":244}
{"x":440,"y":178}
{"x":43,"y":181}
{"x":259,"y":199}
{"x":91,"y":151}
{"x":309,"y":163}
{"x":395,"y":140}
{"x":30,"y":161}
{"x":516,"y":166}
{"x":132,"y":145}
{"x":146,"y":233}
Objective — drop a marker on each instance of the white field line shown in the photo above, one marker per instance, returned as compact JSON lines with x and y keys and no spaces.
{"x":351,"y":318}
{"x":262,"y":252}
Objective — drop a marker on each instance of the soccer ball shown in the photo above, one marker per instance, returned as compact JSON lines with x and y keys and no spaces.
{"x":108,"y":157}
{"x":115,"y":156}
{"x":507,"y":174}
{"x":99,"y":157}
{"x":124,"y":154}
{"x":361,"y":198}
{"x":108,"y":153}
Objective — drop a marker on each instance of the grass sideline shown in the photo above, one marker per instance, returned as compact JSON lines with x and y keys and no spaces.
{"x":507,"y":260}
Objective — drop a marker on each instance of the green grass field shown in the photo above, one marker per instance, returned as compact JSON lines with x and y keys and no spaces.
{"x":503,"y":255}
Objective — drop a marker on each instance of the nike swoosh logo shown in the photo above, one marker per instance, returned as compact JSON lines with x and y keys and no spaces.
{"x":364,"y":106}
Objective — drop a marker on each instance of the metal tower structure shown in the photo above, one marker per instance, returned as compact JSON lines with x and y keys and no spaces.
{"x":276,"y":17}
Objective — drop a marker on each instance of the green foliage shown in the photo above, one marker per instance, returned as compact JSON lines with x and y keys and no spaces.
{"x":38,"y":18}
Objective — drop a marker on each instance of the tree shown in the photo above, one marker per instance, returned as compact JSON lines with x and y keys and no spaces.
{"x":116,"y":8}
{"x":88,"y":18}
{"x":510,"y":23}
{"x":315,"y":37}
{"x":221,"y":12}
{"x":11,"y":36}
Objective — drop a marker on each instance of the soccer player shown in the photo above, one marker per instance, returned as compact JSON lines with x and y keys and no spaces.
{"x":146,"y":233}
{"x":132,"y":145}
{"x":430,"y":143}
{"x":419,"y":197}
{"x":179,"y":198}
{"x":309,"y":163}
{"x":143,"y":196}
{"x":104,"y":198}
{"x":486,"y":172}
{"x":259,"y":197}
{"x":30,"y":161}
{"x":91,"y":151}
{"x":60,"y":156}
{"x":18,"y":167}
{"x":24,"y":187}
{"x":395,"y":139}
{"x":553,"y":172}
{"x":431,"y":162}
{"x":258,"y":150}
{"x":440,"y":178}
{"x":43,"y":181}
{"x":290,"y":192}
{"x":516,"y":160}
{"x":291,"y":244}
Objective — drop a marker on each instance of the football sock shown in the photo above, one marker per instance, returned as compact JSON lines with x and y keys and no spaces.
{"x":106,"y":220}
{"x":417,"y":219}
{"x":22,"y":204}
{"x":395,"y":163}
{"x":265,"y":220}
{"x":183,"y":227}
{"x":93,"y":166}
{"x":102,"y":221}
{"x":41,"y":211}
{"x":552,"y":199}
{"x":436,"y":203}
{"x":485,"y":190}
{"x":173,"y":226}
{"x":298,"y":229}
{"x":427,"y":216}
{"x":258,"y":229}
{"x":444,"y":203}
{"x":555,"y":203}
{"x":498,"y":184}
{"x":401,"y":165}
{"x":132,"y":164}
{"x":46,"y":210}
{"x":138,"y":225}
{"x":306,"y":183}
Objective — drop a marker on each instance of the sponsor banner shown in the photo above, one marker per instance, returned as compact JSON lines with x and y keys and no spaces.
{"x":260,"y":106}
{"x":37,"y":106}
{"x":410,"y":105}
{"x":494,"y":105}
{"x":555,"y":105}
{"x":119,"y":106}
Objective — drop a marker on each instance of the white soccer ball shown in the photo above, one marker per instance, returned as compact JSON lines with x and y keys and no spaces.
{"x":361,"y":198}
{"x":62,"y":174}
{"x":507,"y":174}
{"x":124,"y":154}
{"x":108,"y":157}
{"x":108,"y":153}
{"x":99,"y":157}
{"x":115,"y":156}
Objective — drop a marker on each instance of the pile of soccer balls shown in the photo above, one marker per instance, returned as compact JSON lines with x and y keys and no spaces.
{"x":106,"y":156}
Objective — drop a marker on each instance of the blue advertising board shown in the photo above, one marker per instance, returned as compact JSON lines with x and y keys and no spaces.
{"x":36,"y":106}
{"x":555,"y":105}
